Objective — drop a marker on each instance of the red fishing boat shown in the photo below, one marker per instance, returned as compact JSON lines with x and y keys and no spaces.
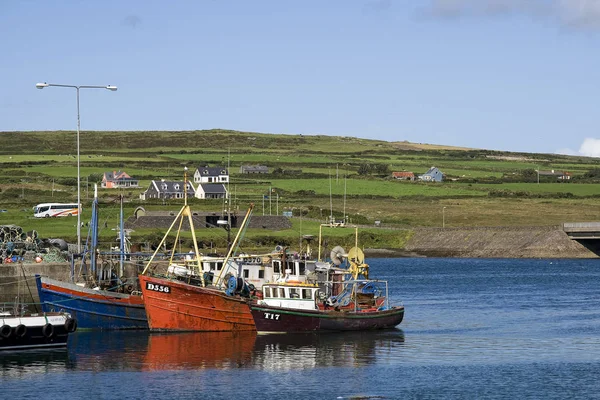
{"x":173,"y":305}
{"x":186,"y":298}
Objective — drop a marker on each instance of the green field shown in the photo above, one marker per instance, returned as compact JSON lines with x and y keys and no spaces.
{"x":333,"y":175}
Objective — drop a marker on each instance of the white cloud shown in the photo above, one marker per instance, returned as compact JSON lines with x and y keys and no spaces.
{"x":577,"y":14}
{"x":590,"y":147}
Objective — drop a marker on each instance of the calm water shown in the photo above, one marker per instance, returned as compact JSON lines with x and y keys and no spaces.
{"x":473,"y":329}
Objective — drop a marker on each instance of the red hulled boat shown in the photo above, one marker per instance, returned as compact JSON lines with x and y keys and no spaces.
{"x":172,"y":305}
{"x":186,"y":298}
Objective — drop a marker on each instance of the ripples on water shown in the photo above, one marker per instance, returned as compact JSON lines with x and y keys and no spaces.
{"x":472,"y":329}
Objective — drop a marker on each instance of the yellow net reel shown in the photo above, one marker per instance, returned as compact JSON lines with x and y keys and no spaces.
{"x":356,"y":258}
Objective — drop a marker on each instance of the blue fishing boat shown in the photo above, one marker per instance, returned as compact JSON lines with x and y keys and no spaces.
{"x":116,"y":305}
{"x":93,"y":309}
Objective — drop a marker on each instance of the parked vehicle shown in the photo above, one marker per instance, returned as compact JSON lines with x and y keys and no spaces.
{"x":45,"y":210}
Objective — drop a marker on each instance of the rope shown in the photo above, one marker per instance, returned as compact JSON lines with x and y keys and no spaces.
{"x":19,"y":281}
{"x":28,"y":288}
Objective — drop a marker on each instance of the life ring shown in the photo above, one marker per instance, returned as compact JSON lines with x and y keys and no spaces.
{"x":71,"y":325}
{"x":20,"y":331}
{"x":48,"y":330}
{"x":5,"y":331}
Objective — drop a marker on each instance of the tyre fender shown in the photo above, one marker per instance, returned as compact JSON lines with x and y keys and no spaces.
{"x":71,"y":325}
{"x":5,"y":331}
{"x":48,"y":330}
{"x":21,"y":331}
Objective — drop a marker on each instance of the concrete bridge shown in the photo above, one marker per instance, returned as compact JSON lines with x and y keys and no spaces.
{"x":586,"y":233}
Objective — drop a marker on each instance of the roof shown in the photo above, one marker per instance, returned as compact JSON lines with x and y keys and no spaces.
{"x":403,"y":174}
{"x":213,"y":188}
{"x":431,"y":171}
{"x":172,"y":186}
{"x":255,"y":168}
{"x":555,"y":173}
{"x":117,"y":175}
{"x":212,"y":171}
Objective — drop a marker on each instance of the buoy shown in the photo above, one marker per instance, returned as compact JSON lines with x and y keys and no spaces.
{"x":38,"y":259}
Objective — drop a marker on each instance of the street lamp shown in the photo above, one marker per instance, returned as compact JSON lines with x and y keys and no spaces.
{"x":443,"y":217}
{"x":108,"y":87}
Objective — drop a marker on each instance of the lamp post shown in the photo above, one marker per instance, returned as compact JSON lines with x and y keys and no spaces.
{"x":443,"y":217}
{"x":108,"y":87}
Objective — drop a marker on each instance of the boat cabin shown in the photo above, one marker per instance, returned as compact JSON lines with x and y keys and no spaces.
{"x":255,"y":270}
{"x":301,"y":296}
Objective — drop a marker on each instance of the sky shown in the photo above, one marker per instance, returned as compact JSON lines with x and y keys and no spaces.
{"x":511,"y":75}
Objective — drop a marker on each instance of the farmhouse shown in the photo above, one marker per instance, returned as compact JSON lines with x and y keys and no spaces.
{"x":208,"y":174}
{"x":167,"y":190}
{"x":432,"y":175}
{"x":118,"y":179}
{"x":254,"y":169}
{"x":404,"y":175}
{"x":559,"y":175}
{"x":211,"y":191}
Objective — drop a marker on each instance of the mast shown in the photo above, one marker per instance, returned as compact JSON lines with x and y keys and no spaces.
{"x":122,"y":241}
{"x":94,"y":229}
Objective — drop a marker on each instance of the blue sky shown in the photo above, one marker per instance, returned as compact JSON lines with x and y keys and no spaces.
{"x":516,"y":75}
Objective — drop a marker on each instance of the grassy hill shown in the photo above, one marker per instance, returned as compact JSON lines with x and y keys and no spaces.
{"x":312,"y":176}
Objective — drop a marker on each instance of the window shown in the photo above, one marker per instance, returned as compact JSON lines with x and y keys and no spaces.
{"x":291,"y":265}
{"x":306,"y":294}
{"x":261,"y":274}
{"x":246,"y":273}
{"x":276,"y":267}
{"x":282,"y":293}
{"x":302,"y":267}
{"x":294,"y":293}
{"x":267,"y":292}
{"x":176,"y":186}
{"x":219,"y":266}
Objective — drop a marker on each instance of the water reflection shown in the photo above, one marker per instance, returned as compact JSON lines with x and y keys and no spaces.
{"x":220,"y":350}
{"x":299,"y":351}
{"x":145,"y":351}
{"x":16,"y":364}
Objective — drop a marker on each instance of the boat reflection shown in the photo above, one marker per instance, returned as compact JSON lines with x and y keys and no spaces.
{"x":18,"y":364}
{"x":199,"y":350}
{"x":146,"y":351}
{"x":299,"y":351}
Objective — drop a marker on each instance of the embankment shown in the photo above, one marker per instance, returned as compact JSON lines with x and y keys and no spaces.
{"x":493,"y":242}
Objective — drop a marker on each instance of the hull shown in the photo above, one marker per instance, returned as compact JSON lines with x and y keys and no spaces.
{"x":93,"y":309}
{"x":173,"y":305}
{"x":270,"y":319}
{"x":36,"y":334}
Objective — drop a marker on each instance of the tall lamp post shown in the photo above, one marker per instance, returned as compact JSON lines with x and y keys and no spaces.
{"x":443,"y":217}
{"x":108,"y":87}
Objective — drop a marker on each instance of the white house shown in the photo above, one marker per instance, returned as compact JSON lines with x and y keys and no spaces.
{"x":211,"y":175}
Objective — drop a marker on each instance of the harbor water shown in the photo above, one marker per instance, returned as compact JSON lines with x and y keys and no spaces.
{"x":473,"y":328}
